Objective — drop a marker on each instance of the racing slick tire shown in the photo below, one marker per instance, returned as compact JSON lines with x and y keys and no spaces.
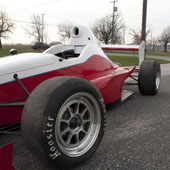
{"x":149,"y":77}
{"x":63,"y":121}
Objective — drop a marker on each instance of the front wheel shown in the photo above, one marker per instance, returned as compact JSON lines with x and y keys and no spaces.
{"x":63,"y":121}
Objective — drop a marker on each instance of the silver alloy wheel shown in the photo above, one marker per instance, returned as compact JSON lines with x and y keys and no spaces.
{"x":158,"y":80}
{"x":78,"y":124}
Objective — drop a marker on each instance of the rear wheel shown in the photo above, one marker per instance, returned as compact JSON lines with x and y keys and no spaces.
{"x":149,"y":77}
{"x":68,"y":118}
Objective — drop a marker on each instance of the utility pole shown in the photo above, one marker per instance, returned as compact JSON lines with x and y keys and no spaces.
{"x":144,"y":17}
{"x":42,"y":31}
{"x":113,"y":17}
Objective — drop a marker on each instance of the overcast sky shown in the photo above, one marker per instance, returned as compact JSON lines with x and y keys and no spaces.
{"x":83,"y":12}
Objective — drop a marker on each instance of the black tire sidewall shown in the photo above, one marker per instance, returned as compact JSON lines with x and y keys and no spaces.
{"x":56,"y":98}
{"x":147,"y":77}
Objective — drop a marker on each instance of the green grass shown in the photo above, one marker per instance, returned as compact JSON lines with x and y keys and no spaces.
{"x":5,"y":52}
{"x":158,"y":53}
{"x":131,"y":61}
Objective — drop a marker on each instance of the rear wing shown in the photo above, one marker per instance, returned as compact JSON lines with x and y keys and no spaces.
{"x":140,"y":48}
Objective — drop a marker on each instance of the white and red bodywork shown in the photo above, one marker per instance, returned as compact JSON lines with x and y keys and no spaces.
{"x":33,"y":68}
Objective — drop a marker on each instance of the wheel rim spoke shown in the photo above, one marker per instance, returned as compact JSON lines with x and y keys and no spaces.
{"x":71,"y":111}
{"x":77,"y":108}
{"x":69,"y":138}
{"x":77,"y":138}
{"x":65,"y":131}
{"x":65,"y":121}
{"x":83,"y":112}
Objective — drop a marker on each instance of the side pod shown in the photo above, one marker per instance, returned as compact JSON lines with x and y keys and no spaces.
{"x":6,"y":152}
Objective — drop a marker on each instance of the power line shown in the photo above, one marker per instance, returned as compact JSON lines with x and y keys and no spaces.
{"x":48,"y":16}
{"x":28,"y":22}
{"x":61,"y":16}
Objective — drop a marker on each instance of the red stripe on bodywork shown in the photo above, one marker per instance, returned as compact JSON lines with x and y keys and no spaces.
{"x":120,"y":49}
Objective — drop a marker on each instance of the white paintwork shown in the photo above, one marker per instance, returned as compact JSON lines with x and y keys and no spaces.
{"x":84,"y":36}
{"x":26,"y":61}
{"x":141,"y":52}
{"x":54,"y":49}
{"x":62,"y":47}
{"x":120,"y":46}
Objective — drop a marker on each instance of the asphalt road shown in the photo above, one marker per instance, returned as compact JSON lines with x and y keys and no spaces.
{"x":137,"y":136}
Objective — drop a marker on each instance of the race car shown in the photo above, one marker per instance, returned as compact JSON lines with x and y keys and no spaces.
{"x":59,"y":96}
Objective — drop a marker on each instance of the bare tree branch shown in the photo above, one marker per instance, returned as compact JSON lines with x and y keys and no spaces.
{"x":108,"y":31}
{"x":164,"y":38}
{"x":6,"y":26}
{"x":36,"y":30}
{"x":65,"y":30}
{"x":136,"y":36}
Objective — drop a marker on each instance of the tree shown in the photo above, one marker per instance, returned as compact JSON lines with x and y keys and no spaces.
{"x":164,"y":38}
{"x":6,"y":26}
{"x":65,"y":30}
{"x":108,"y":30}
{"x":136,"y":36}
{"x":152,"y":41}
{"x":37,"y":28}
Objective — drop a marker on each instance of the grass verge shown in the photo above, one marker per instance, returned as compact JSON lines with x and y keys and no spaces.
{"x":5,"y":52}
{"x":131,"y":61}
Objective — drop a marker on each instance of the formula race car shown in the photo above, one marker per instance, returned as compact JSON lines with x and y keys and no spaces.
{"x":59,"y":96}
